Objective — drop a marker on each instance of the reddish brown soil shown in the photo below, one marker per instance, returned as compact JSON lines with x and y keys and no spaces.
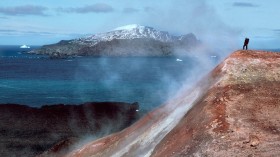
{"x":236,"y":119}
{"x":236,"y":114}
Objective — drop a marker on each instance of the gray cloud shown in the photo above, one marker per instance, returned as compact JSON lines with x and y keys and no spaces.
{"x":6,"y":30}
{"x":244,"y":4}
{"x":18,"y":32}
{"x":130,"y":10}
{"x":24,"y":10}
{"x":11,"y":32}
{"x":95,"y":8}
{"x":276,"y":31}
{"x":263,"y":37}
{"x":148,"y":9}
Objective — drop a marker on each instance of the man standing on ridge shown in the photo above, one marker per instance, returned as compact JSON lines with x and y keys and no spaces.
{"x":246,"y":42}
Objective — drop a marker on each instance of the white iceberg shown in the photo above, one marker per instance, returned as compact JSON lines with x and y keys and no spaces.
{"x":179,"y":60}
{"x":24,"y":47}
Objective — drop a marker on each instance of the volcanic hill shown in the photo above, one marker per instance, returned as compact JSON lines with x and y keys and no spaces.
{"x":233,"y":111}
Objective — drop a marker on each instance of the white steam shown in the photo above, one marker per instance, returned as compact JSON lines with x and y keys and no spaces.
{"x":181,"y":17}
{"x":198,"y":17}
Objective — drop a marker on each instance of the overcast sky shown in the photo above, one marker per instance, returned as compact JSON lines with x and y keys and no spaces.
{"x":37,"y":22}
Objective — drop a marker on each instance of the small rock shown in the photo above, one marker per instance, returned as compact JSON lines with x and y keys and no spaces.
{"x":254,"y":140}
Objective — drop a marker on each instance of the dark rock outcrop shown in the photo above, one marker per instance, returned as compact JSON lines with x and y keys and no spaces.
{"x":27,"y":131}
{"x":234,"y":111}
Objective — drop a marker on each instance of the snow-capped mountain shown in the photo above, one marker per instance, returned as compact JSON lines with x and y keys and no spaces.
{"x":133,"y":31}
{"x":129,"y":40}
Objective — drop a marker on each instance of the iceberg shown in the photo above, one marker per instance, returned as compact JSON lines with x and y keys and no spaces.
{"x":179,"y":60}
{"x":24,"y":47}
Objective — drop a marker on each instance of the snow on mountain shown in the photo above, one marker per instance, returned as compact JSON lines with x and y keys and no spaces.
{"x":129,"y":40}
{"x":132,"y":31}
{"x":129,"y":27}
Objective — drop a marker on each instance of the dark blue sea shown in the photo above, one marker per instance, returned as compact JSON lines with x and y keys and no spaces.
{"x":37,"y":80}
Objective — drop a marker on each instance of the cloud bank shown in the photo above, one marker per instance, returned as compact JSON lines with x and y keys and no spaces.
{"x":130,"y":10}
{"x":24,"y":10}
{"x":95,"y":8}
{"x":244,"y":4}
{"x":18,"y":32}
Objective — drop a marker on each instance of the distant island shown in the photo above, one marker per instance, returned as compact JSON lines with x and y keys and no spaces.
{"x":130,"y":40}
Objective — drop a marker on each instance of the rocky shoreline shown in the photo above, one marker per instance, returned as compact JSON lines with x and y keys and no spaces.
{"x":27,"y":131}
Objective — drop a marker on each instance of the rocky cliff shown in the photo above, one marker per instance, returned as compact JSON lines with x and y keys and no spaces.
{"x":27,"y":131}
{"x":131,"y":40}
{"x":233,"y":111}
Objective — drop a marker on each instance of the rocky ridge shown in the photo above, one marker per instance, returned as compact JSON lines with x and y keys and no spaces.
{"x":233,"y":111}
{"x":27,"y":131}
{"x":130,"y":40}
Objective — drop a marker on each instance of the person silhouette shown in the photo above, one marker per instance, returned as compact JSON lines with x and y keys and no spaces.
{"x":246,"y":42}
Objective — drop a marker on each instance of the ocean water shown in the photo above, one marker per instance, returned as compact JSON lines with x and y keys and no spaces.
{"x":37,"y":80}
